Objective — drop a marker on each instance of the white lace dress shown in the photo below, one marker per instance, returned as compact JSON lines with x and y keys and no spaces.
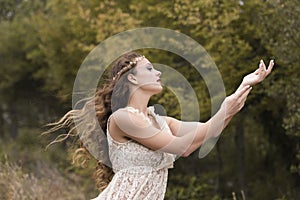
{"x":140,"y":173}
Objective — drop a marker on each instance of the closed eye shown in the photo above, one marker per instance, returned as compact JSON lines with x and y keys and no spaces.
{"x":149,"y":67}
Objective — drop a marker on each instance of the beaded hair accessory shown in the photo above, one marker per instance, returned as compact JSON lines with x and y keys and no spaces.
{"x":128,"y":67}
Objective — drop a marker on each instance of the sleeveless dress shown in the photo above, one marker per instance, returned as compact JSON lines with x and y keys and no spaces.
{"x":140,"y":173}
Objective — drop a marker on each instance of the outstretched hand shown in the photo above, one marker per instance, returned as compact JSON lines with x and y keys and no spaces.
{"x":235,"y":102}
{"x":258,"y":75}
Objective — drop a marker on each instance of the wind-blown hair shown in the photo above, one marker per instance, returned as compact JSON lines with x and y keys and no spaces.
{"x":110,"y":97}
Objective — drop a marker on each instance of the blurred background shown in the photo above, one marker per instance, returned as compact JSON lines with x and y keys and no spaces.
{"x":43,"y":43}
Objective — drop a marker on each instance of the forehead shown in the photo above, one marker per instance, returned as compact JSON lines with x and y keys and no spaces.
{"x":143,"y":62}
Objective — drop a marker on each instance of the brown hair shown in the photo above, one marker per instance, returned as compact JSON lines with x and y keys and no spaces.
{"x":113,"y":95}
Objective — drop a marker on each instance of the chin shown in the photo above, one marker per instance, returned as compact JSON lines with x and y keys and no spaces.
{"x":157,"y":92}
{"x":158,"y":89}
{"x":153,"y":88}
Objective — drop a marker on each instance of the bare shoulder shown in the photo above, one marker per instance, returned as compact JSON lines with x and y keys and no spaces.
{"x":171,"y":120}
{"x":131,"y":125}
{"x":114,"y":130}
{"x":127,"y":117}
{"x":125,"y":124}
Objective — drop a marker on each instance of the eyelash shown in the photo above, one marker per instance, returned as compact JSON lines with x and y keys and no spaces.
{"x":149,"y":68}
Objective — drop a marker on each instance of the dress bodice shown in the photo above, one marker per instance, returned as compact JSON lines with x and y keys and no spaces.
{"x":140,"y":173}
{"x":132,"y":155}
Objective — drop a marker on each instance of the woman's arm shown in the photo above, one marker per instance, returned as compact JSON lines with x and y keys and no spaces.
{"x":186,"y":137}
{"x":215,"y":125}
{"x":231,"y":105}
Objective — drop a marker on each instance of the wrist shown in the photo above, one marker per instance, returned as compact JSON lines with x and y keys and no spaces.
{"x":242,"y":85}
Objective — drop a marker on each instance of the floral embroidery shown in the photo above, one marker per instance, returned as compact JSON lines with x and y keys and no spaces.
{"x":140,"y":173}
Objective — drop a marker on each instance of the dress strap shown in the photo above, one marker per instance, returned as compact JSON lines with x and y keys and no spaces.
{"x":108,"y":135}
{"x":138,"y":112}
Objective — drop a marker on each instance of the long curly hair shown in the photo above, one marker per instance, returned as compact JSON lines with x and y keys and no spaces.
{"x":114,"y":94}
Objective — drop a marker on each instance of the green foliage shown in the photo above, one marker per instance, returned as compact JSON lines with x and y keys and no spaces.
{"x":27,"y":160}
{"x":43,"y":43}
{"x":188,"y":187}
{"x":283,"y":43}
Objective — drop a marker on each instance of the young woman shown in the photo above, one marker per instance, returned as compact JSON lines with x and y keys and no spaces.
{"x":141,"y":144}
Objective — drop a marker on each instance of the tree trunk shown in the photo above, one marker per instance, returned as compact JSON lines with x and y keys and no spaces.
{"x":240,"y":153}
{"x":2,"y":131}
{"x":219,"y":181}
{"x":13,"y":121}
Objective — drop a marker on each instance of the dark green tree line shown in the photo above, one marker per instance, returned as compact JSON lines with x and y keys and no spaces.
{"x":43,"y":43}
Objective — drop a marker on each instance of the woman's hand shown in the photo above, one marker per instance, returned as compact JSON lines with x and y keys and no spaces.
{"x":235,"y":102}
{"x":258,"y":75}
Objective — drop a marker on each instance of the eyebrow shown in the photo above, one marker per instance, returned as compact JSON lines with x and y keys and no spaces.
{"x":148,"y":64}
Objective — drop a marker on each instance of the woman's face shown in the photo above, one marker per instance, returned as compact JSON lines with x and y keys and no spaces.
{"x":147,"y":78}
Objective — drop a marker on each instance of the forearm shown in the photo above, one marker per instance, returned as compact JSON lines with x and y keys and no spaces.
{"x":215,"y":125}
{"x":212,"y":128}
{"x":242,"y":85}
{"x":231,"y":105}
{"x":218,"y":122}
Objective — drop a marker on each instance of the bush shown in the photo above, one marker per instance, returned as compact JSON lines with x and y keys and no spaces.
{"x":49,"y":184}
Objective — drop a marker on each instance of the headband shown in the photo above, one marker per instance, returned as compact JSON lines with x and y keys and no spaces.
{"x":128,"y":67}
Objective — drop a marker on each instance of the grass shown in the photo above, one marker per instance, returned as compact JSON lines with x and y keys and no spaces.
{"x":48,"y":183}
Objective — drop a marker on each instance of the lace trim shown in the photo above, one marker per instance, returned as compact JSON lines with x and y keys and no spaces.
{"x":136,"y":111}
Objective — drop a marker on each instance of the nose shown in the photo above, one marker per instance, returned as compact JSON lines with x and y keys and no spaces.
{"x":158,"y":73}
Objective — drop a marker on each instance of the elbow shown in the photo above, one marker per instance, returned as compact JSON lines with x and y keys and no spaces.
{"x":191,"y":149}
{"x":186,"y":154}
{"x":184,"y":151}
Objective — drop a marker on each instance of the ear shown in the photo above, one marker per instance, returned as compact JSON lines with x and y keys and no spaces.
{"x":132,"y":79}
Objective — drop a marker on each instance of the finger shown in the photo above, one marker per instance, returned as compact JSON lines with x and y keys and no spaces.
{"x":257,"y":71}
{"x":239,"y":93}
{"x":260,"y":68}
{"x":245,"y":94}
{"x":270,"y":67}
{"x":243,"y":98}
{"x":262,"y":65}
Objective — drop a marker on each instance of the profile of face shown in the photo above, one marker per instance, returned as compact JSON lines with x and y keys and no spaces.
{"x":146,"y":78}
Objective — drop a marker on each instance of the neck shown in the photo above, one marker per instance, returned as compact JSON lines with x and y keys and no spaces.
{"x":139,"y":100}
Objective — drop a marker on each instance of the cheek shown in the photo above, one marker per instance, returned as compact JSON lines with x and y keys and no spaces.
{"x":149,"y":83}
{"x":147,"y":79}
